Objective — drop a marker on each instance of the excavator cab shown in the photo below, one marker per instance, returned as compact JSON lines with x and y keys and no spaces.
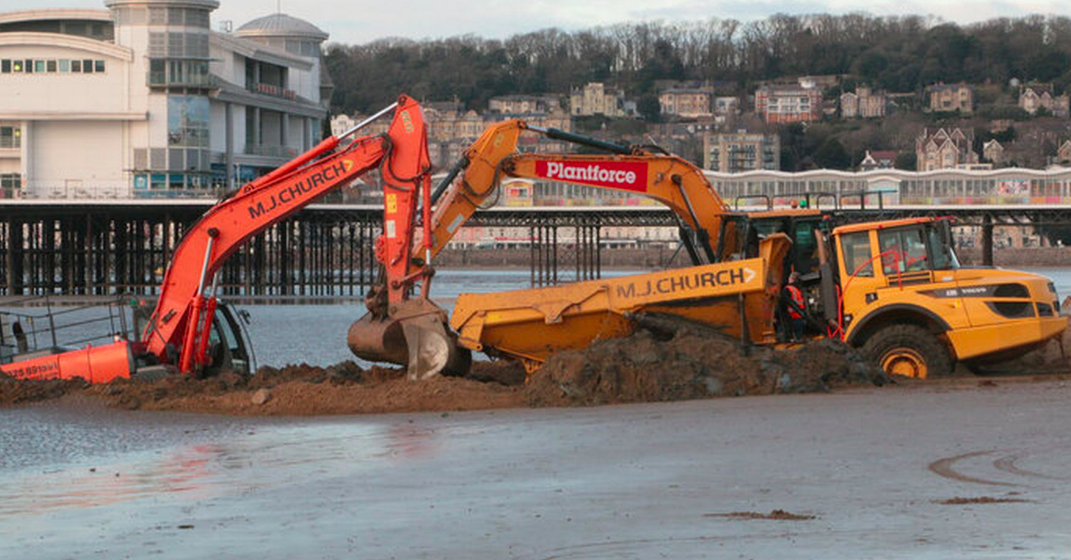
{"x":229,"y":348}
{"x":228,"y":343}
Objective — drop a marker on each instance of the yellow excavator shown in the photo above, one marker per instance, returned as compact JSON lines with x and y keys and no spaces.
{"x":892,"y":288}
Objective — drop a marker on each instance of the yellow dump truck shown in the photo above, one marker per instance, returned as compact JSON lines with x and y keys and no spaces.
{"x":892,"y":288}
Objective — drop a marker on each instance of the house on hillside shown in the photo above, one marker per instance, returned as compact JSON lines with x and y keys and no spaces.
{"x":1034,"y":97}
{"x":689,"y":103}
{"x":726,"y":105}
{"x":524,"y":104}
{"x":945,"y":149}
{"x":595,"y":98}
{"x":993,"y":151}
{"x":1063,"y":153}
{"x":780,"y":104}
{"x":878,"y":159}
{"x":863,"y":103}
{"x":951,"y":97}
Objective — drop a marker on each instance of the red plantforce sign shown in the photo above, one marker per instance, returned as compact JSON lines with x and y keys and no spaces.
{"x":625,"y":175}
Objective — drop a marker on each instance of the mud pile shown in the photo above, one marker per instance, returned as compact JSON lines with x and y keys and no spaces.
{"x":21,"y":392}
{"x":692,"y":365}
{"x":689,"y":364}
{"x":343,"y":388}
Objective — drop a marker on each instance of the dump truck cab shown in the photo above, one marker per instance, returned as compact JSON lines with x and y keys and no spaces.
{"x":906,"y":300}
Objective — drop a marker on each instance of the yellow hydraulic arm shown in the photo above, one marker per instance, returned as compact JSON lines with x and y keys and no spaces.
{"x":668,"y":179}
{"x":671,"y":180}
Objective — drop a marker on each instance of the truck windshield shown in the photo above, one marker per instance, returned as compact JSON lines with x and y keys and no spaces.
{"x":903,"y":250}
{"x":939,"y":235}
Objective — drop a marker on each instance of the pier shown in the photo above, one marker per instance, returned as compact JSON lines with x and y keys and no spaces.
{"x":100,"y":248}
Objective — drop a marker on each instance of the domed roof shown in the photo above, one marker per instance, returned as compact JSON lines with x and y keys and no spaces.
{"x":281,"y":25}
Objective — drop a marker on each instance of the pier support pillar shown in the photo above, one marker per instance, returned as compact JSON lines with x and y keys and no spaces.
{"x":987,"y":240}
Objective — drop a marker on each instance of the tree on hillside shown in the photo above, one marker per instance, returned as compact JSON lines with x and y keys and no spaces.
{"x":908,"y":161}
{"x":832,"y":155}
{"x":898,"y":53}
{"x":649,"y":106}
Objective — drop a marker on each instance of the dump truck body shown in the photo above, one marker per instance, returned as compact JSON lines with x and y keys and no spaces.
{"x":736,"y":298}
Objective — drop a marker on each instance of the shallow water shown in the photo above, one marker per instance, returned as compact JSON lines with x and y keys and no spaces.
{"x":316,"y":334}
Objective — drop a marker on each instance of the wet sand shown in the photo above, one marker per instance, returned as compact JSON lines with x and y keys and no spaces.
{"x":958,"y":469}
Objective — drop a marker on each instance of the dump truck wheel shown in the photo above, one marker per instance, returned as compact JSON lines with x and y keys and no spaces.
{"x":908,"y":350}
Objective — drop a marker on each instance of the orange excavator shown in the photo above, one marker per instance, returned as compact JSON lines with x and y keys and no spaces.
{"x":184,"y":332}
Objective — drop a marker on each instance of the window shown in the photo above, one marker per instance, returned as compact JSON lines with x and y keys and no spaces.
{"x":87,"y":66}
{"x":64,"y":66}
{"x":51,"y":66}
{"x":940,"y":237}
{"x":98,"y":66}
{"x":5,"y":66}
{"x":857,"y":254}
{"x":175,"y":16}
{"x":39,"y":66}
{"x":157,"y":72}
{"x":10,"y":137}
{"x":187,"y":121}
{"x":76,"y":66}
{"x":157,"y":44}
{"x":196,"y":18}
{"x":16,"y":66}
{"x":27,"y":66}
{"x":176,"y":44}
{"x":10,"y":181}
{"x":903,"y":250}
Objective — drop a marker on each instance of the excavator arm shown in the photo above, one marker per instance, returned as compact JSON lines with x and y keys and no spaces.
{"x":671,"y":180}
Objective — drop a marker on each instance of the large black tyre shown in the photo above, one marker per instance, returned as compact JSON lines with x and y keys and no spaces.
{"x":908,"y":350}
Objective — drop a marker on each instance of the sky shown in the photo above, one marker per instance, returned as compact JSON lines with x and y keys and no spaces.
{"x":360,"y":21}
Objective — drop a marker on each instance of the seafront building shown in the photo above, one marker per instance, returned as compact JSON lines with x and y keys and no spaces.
{"x":887,"y":187}
{"x":144,"y":99}
{"x":950,"y":187}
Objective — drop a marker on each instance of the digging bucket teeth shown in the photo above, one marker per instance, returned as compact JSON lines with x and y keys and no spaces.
{"x":413,"y":335}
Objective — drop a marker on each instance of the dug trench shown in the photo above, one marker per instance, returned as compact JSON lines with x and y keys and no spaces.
{"x":649,"y":366}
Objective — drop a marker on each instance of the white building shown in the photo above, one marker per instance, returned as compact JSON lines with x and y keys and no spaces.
{"x":144,"y":99}
{"x":944,"y":187}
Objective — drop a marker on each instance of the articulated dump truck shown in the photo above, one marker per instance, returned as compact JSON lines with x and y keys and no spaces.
{"x":894,"y":289}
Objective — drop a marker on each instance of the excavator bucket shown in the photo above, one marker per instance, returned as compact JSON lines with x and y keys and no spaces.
{"x":413,"y":335}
